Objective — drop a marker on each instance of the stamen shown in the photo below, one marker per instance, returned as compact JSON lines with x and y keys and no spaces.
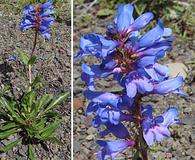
{"x":126,"y":58}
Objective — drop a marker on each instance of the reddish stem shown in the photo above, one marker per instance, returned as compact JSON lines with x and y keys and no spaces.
{"x":29,"y":66}
{"x":35,"y":43}
{"x":141,"y":144}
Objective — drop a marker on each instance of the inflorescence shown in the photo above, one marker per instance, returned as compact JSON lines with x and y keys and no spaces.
{"x":39,"y":18}
{"x":131,"y":58}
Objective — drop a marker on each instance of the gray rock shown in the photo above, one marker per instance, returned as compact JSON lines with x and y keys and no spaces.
{"x":91,"y":130}
{"x":90,"y":137}
{"x":188,"y":110}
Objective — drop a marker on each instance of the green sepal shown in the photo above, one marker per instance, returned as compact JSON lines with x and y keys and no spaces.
{"x":136,"y":156}
{"x":155,"y":148}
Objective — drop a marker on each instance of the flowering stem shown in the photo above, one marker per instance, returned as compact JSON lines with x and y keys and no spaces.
{"x":143,"y":147}
{"x":35,"y":43}
{"x":30,"y":66}
{"x":141,"y":144}
{"x":30,"y":76}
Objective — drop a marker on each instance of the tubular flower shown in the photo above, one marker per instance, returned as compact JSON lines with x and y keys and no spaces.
{"x":132,"y":60}
{"x":39,"y":18}
{"x":124,"y":49}
{"x":156,"y":128}
{"x":108,"y":111}
{"x":112,"y":148}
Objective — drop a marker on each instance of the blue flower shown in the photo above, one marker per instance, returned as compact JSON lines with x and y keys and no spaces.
{"x":95,"y":45}
{"x":156,"y":128}
{"x":157,"y":72}
{"x":108,"y":109}
{"x":154,"y":80}
{"x":132,"y":59}
{"x":39,"y":18}
{"x":124,"y":50}
{"x":112,"y":148}
{"x":103,"y":97}
{"x":137,"y":83}
{"x":169,"y":86}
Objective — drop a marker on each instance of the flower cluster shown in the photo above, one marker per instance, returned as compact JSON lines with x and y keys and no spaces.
{"x":38,"y":18}
{"x":132,"y":59}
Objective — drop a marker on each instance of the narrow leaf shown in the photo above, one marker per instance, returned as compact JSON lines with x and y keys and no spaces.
{"x":43,"y":101}
{"x":31,"y":96}
{"x":10,"y":145}
{"x":49,"y":130}
{"x":56,"y":141}
{"x":31,"y":155}
{"x":36,"y":82}
{"x":32,"y":60}
{"x":10,"y":107}
{"x":56,"y":101}
{"x":24,"y":57}
{"x":8,"y":126}
{"x":51,"y":114}
{"x":7,"y":133}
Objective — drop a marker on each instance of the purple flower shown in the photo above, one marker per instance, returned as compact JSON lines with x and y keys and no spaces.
{"x":156,"y":128}
{"x":112,"y":148}
{"x":38,"y":18}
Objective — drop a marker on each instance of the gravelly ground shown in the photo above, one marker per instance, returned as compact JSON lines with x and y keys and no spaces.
{"x":182,"y":144}
{"x":53,"y":66}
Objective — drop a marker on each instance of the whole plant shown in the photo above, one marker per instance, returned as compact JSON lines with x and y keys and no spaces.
{"x":131,"y":57}
{"x":30,"y":118}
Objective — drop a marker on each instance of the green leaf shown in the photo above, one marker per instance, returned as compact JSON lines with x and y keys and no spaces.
{"x":32,"y":60}
{"x":10,"y":145}
{"x":104,"y":12}
{"x":49,"y":130}
{"x":32,"y":96}
{"x":36,"y":82}
{"x":8,"y":126}
{"x":7,"y":133}
{"x":28,"y":100}
{"x":136,"y":156}
{"x":40,"y":125}
{"x":9,"y":106}
{"x":43,"y":101}
{"x":56,"y":101}
{"x":155,"y":148}
{"x":52,"y":114}
{"x":31,"y":155}
{"x":24,"y":57}
{"x":56,"y":141}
